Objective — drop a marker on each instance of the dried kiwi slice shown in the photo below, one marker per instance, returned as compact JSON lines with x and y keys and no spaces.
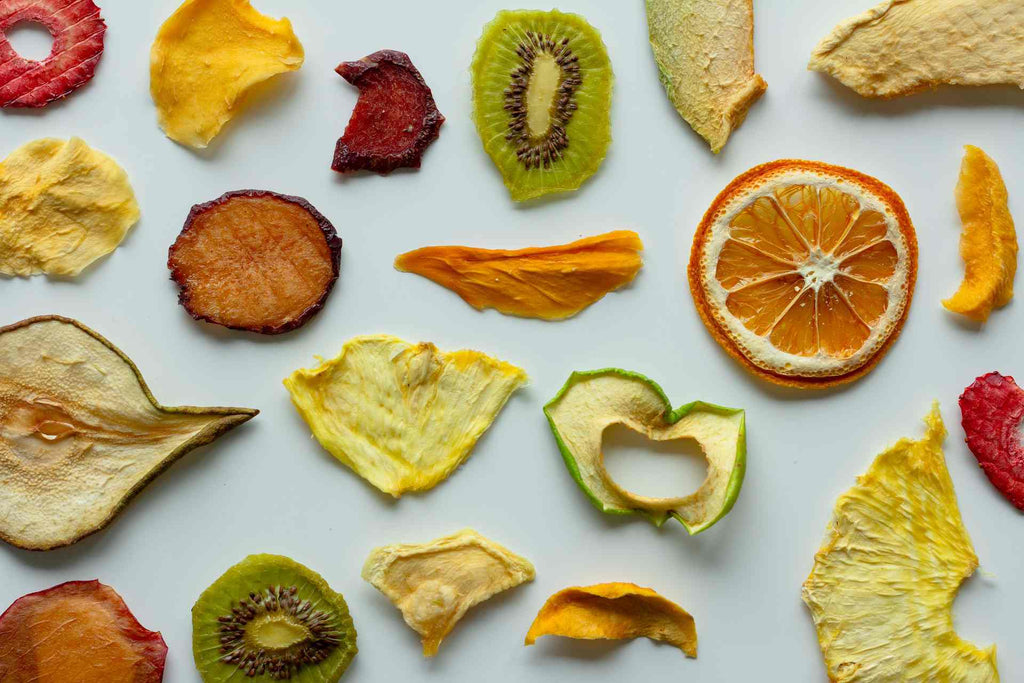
{"x":269,"y":618}
{"x":542,"y":90}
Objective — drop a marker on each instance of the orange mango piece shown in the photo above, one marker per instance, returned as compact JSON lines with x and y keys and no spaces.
{"x":551,"y":283}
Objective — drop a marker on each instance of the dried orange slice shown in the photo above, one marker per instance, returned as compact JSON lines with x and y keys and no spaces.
{"x":804,"y":271}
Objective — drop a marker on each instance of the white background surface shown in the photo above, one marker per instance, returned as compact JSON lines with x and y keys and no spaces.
{"x":267,"y":487}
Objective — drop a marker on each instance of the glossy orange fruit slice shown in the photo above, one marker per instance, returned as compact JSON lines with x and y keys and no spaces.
{"x":804,"y":271}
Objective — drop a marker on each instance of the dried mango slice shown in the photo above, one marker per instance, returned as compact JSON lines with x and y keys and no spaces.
{"x":63,"y":205}
{"x":615,"y":611}
{"x":901,"y":47}
{"x":883,"y":583}
{"x":80,"y":433}
{"x":539,"y":282}
{"x":992,"y":411}
{"x":78,"y":631}
{"x":434,"y":584}
{"x":206,"y":57}
{"x":989,"y":241}
{"x":705,"y":55}
{"x":590,"y":402}
{"x":402,"y":416}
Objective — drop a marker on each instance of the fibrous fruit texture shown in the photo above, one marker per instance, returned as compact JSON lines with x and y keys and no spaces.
{"x":206,"y":57}
{"x":903,"y":46}
{"x":882,"y":587}
{"x":269,"y":618}
{"x":434,"y":584}
{"x":590,"y":402}
{"x":542,"y":90}
{"x":402,"y":416}
{"x":615,"y":611}
{"x":255,"y":260}
{"x":992,"y":410}
{"x":78,"y":631}
{"x":395,"y":118}
{"x":804,"y":271}
{"x":77,"y":30}
{"x":63,"y":205}
{"x":539,"y":282}
{"x":705,"y":55}
{"x":80,"y":433}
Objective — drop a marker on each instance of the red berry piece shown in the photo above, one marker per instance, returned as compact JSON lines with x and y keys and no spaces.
{"x":992,"y":409}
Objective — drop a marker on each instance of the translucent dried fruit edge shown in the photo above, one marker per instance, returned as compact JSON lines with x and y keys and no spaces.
{"x":395,"y":118}
{"x":992,"y":411}
{"x":78,"y":631}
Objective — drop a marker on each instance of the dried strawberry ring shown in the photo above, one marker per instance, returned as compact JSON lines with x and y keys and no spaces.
{"x":993,"y":412}
{"x":77,"y":30}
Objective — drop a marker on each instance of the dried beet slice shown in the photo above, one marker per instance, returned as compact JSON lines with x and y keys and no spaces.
{"x":77,"y":30}
{"x":255,"y":260}
{"x":394,"y":120}
{"x":992,"y":410}
{"x":78,"y":631}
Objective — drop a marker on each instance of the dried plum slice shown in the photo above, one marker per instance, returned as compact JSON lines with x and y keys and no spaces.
{"x":395,"y":118}
{"x":255,"y":260}
{"x":992,"y":410}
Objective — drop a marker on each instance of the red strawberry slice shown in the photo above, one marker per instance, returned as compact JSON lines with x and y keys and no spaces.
{"x":993,"y":409}
{"x":77,"y":30}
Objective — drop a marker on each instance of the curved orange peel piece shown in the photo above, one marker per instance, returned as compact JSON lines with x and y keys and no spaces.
{"x":615,"y":611}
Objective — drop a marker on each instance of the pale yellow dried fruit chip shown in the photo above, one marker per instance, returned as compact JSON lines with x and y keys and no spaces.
{"x":63,"y":205}
{"x":435,"y":583}
{"x":903,"y":46}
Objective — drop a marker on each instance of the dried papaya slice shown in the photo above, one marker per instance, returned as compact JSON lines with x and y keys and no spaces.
{"x":255,"y":260}
{"x":615,"y":611}
{"x":395,"y":118}
{"x":539,"y":282}
{"x":78,"y":631}
{"x":434,"y":584}
{"x":80,"y":432}
{"x":992,"y":411}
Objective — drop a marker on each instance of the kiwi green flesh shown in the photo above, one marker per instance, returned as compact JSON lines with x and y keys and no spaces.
{"x":274,"y":604}
{"x":533,"y":68}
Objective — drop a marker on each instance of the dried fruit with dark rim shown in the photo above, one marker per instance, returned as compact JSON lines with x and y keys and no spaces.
{"x":77,"y":30}
{"x":78,"y":631}
{"x":395,"y":118}
{"x":255,"y":260}
{"x":992,"y":410}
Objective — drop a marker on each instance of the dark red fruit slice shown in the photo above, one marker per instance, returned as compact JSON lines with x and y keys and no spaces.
{"x":255,"y":260}
{"x":77,"y":30}
{"x":992,"y":409}
{"x":78,"y":631}
{"x":394,"y":120}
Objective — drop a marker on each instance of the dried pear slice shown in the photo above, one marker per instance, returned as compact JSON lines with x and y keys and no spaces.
{"x":80,"y":432}
{"x":883,"y":583}
{"x":590,"y":402}
{"x":615,"y":611}
{"x":402,"y":416}
{"x":434,"y":584}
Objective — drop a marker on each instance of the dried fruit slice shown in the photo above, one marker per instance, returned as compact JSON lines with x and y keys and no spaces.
{"x":882,"y":587}
{"x":80,"y":433}
{"x":615,"y":611}
{"x":255,"y":260}
{"x":395,"y":118}
{"x":992,"y":410}
{"x":804,"y":271}
{"x":402,"y":416}
{"x":590,"y":402}
{"x":77,"y":30}
{"x":78,"y":631}
{"x":206,"y":57}
{"x":901,"y":47}
{"x":989,"y":242}
{"x":63,"y":205}
{"x":434,"y":584}
{"x":539,"y":282}
{"x":705,"y":55}
{"x":269,"y":618}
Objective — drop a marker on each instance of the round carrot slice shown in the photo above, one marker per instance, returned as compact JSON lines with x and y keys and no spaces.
{"x":804,"y":272}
